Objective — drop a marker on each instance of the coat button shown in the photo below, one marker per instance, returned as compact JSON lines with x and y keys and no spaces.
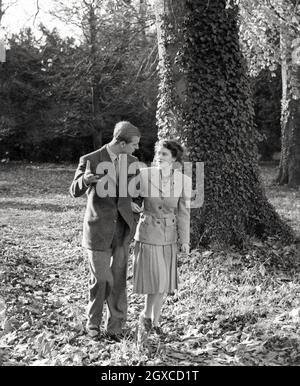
{"x":160,"y":207}
{"x":158,"y":222}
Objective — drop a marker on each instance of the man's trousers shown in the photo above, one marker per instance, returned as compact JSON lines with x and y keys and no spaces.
{"x":108,"y":282}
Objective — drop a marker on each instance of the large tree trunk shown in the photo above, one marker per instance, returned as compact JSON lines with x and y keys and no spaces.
{"x":205,"y":101}
{"x":289,"y":167}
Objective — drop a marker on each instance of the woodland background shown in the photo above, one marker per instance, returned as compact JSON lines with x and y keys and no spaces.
{"x":61,"y":97}
{"x":228,"y":82}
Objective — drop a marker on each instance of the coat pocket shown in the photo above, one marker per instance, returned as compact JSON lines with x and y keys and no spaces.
{"x":149,"y":230}
{"x":170,"y":230}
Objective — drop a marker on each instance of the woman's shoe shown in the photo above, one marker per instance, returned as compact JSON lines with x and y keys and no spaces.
{"x":146,"y":322}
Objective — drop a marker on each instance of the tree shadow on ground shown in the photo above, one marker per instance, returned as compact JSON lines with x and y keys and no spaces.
{"x":43,"y":207}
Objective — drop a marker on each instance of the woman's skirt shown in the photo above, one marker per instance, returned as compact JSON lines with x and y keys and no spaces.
{"x":154,"y":268}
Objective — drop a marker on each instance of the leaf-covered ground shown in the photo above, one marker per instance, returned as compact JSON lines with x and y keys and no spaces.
{"x":232,"y":308}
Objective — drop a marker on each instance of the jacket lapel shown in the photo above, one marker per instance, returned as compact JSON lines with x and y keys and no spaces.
{"x":104,"y":156}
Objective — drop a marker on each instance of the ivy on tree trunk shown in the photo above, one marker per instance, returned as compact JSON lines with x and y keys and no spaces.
{"x":204,"y":100}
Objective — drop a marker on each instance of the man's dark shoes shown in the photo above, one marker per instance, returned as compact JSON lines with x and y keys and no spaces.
{"x":92,"y":331}
{"x":116,"y":336}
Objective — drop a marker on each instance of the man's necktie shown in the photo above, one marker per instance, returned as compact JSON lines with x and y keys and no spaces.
{"x":117,"y":169}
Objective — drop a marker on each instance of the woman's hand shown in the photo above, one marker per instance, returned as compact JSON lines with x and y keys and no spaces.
{"x":185,"y":248}
{"x":135,"y":208}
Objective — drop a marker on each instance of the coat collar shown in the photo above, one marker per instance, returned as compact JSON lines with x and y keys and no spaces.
{"x":103,"y":154}
{"x":112,"y":155}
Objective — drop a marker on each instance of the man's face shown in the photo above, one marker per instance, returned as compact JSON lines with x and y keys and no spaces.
{"x":132,"y":146}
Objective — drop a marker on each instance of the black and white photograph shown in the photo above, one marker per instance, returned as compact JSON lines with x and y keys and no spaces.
{"x":149,"y":186}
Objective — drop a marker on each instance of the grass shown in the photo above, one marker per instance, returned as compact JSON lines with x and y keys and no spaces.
{"x":232,"y":307}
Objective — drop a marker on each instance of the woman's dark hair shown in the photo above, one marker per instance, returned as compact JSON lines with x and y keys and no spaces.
{"x":175,"y":148}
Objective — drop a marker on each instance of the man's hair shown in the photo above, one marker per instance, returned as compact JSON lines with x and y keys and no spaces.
{"x":124,"y":131}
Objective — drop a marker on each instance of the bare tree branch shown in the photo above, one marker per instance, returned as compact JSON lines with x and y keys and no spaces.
{"x":4,"y":9}
{"x":37,"y":11}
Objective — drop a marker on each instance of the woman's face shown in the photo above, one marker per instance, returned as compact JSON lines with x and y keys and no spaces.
{"x":164,"y":157}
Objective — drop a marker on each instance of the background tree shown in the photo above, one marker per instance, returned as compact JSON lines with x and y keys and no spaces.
{"x":205,"y":101}
{"x":4,"y":6}
{"x":114,"y":40}
{"x":269,"y":32}
{"x":123,"y":71}
{"x":23,"y":93}
{"x":267,"y":107}
{"x":1,"y":11}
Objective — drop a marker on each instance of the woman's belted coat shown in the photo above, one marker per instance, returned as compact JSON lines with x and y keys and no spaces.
{"x":166,"y":211}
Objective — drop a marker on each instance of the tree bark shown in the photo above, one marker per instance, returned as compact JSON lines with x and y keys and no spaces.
{"x":143,"y":15}
{"x":1,"y":11}
{"x":205,"y":101}
{"x":2,"y":47}
{"x":289,"y":167}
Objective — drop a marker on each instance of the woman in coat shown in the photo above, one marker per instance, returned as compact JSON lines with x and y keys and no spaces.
{"x":166,"y":193}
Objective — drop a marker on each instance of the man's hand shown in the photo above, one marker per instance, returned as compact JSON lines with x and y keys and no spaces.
{"x":135,"y":208}
{"x":185,"y":248}
{"x":88,"y":176}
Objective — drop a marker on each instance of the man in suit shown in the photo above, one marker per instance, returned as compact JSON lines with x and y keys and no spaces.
{"x":108,"y":227}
